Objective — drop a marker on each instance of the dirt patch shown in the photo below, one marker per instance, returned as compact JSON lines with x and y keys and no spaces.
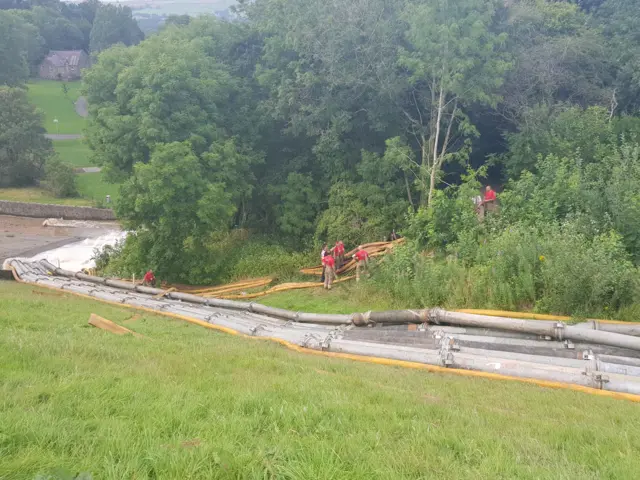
{"x":26,"y":237}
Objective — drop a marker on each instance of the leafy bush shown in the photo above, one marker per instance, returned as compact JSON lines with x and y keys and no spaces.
{"x":59,"y":179}
{"x":229,"y":256}
{"x":555,"y":269}
{"x":450,"y":217}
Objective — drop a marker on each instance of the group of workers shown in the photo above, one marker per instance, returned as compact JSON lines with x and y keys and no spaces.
{"x":333,"y":259}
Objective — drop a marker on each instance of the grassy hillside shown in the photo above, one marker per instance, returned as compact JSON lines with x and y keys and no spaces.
{"x":93,"y":187}
{"x":38,"y":195}
{"x":73,"y":152}
{"x":48,"y":96}
{"x":187,"y":402}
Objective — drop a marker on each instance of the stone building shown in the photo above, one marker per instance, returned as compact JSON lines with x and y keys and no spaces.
{"x":64,"y":65}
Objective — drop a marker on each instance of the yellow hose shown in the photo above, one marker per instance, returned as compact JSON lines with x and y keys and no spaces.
{"x":362,"y":358}
{"x":532,"y":316}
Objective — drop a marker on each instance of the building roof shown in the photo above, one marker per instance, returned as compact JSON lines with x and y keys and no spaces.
{"x":59,"y":58}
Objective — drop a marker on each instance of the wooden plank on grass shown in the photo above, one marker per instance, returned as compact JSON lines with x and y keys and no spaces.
{"x":104,"y":324}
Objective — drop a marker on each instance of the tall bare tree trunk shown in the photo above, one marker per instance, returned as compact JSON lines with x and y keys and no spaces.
{"x":435,"y":163}
{"x":424,"y":166}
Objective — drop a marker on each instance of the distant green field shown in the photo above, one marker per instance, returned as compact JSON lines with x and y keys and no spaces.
{"x":38,"y":195}
{"x":93,"y":186}
{"x":48,"y":96}
{"x":73,"y":152}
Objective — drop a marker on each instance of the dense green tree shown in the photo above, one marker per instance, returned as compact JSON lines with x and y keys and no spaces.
{"x":113,"y":24}
{"x":14,"y":49}
{"x":453,"y":60}
{"x":619,"y":20}
{"x":314,"y":119}
{"x":59,"y":179}
{"x":566,"y":131}
{"x":558,"y":57}
{"x":179,"y":20}
{"x":173,"y":208}
{"x":23,"y":146}
{"x":161,"y":92}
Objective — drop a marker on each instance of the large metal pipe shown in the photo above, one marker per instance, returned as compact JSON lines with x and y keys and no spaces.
{"x":621,"y":360}
{"x":89,"y":278}
{"x":612,"y":382}
{"x":120,"y":284}
{"x":230,"y":304}
{"x":273,"y":312}
{"x":149,"y":290}
{"x":631,"y":329}
{"x":325,"y":318}
{"x":556,"y":330}
{"x":398,"y":316}
{"x":187,"y":297}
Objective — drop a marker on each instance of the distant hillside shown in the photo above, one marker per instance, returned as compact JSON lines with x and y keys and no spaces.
{"x":176,"y":7}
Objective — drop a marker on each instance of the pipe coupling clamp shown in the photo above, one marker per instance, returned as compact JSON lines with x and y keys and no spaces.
{"x":434,"y":315}
{"x":559,"y":331}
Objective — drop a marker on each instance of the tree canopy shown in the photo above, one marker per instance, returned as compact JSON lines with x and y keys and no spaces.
{"x":23,"y":146}
{"x":312,"y":120}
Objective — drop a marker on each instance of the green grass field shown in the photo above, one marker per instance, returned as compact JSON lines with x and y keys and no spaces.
{"x":48,"y":96}
{"x":348,"y":297}
{"x":93,"y":186}
{"x":188,"y":402}
{"x":73,"y":152}
{"x":38,"y":195}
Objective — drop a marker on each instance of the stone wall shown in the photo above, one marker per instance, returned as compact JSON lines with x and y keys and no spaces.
{"x":43,"y":210}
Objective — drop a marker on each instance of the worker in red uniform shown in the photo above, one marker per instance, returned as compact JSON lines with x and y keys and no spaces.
{"x":489,"y":195}
{"x":362,"y":262}
{"x":489,"y":202}
{"x":329,"y":264}
{"x":322,"y":255}
{"x":338,"y":252}
{"x":149,"y":279}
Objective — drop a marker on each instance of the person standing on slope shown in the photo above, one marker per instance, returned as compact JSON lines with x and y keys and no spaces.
{"x":323,"y":253}
{"x":362,"y":262}
{"x":149,"y":279}
{"x":489,"y":203}
{"x":338,"y":252}
{"x":329,"y":264}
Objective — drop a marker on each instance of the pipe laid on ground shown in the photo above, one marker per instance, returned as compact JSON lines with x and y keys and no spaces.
{"x":89,"y":278}
{"x":329,"y":319}
{"x":230,"y":304}
{"x":557,"y":330}
{"x":120,"y":284}
{"x":273,"y":311}
{"x":634,"y":362}
{"x":554,"y":330}
{"x":488,"y":364}
{"x":631,"y":329}
{"x":149,"y":290}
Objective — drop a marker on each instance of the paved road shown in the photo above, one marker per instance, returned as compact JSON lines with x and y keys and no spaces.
{"x":82,"y":107}
{"x":61,"y":136}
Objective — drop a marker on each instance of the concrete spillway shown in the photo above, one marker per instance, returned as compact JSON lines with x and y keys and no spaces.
{"x":589,"y":356}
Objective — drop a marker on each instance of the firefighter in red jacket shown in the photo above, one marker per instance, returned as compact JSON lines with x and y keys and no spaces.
{"x":149,"y":279}
{"x":338,"y":253}
{"x":329,"y":264}
{"x":362,"y":262}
